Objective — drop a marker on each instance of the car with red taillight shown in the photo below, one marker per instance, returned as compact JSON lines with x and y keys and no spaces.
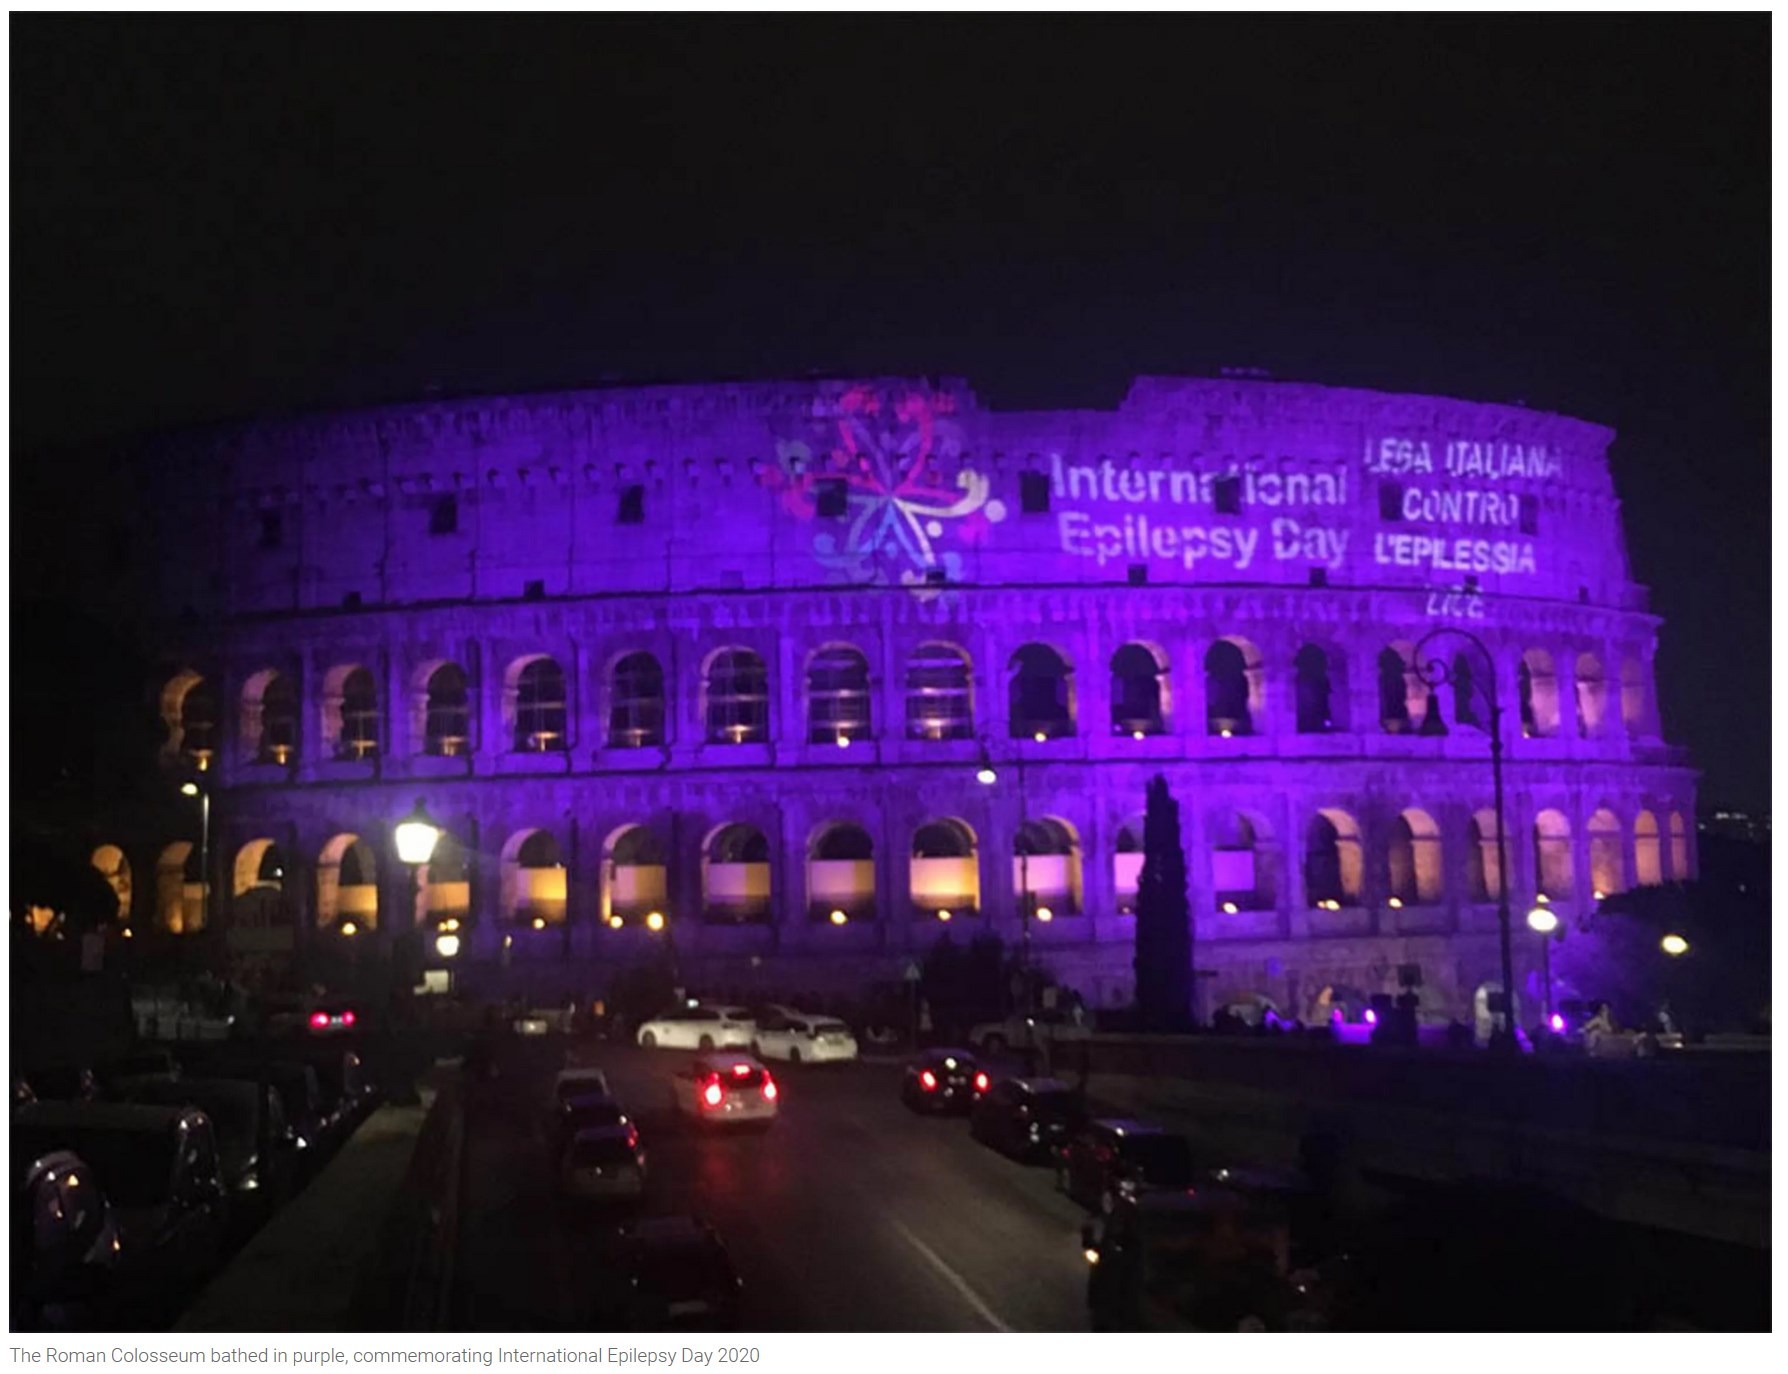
{"x":726,"y":1089}
{"x":943,"y":1080}
{"x":604,"y":1164}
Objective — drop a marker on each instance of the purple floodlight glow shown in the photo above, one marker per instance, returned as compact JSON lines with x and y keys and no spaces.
{"x":1371,"y":1017}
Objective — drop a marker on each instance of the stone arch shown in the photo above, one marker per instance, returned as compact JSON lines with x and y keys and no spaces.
{"x":1234,"y":687}
{"x":1140,"y":702}
{"x":114,"y":867}
{"x":838,"y":710}
{"x":1483,"y":876}
{"x":1047,"y":851}
{"x":634,"y":874}
{"x":939,"y":693}
{"x":1334,"y":859}
{"x":636,"y":701}
{"x":269,"y":718}
{"x":736,"y":875}
{"x":1607,"y":854}
{"x":1244,"y":869}
{"x":736,"y":697}
{"x":259,"y":884}
{"x":179,"y":889}
{"x":1592,"y":695}
{"x":840,"y":872}
{"x":533,"y":879}
{"x":1632,"y":695}
{"x":189,"y":712}
{"x":446,"y":881}
{"x":1126,"y":864}
{"x":1040,"y":693}
{"x":1680,"y":861}
{"x":347,"y":884}
{"x":1319,"y":690}
{"x":1648,"y":851}
{"x":443,"y":709}
{"x":1536,"y":684}
{"x":534,"y":705}
{"x":1553,"y":870}
{"x":1414,"y":867}
{"x":350,"y":712}
{"x":1406,"y":705}
{"x":945,"y":872}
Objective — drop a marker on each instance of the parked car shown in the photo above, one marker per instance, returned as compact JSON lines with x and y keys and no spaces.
{"x":66,"y":1247}
{"x":1106,"y":1160}
{"x":1027,"y":1118}
{"x":604,"y":1164}
{"x":63,"y":1083}
{"x":698,"y":1028}
{"x":797,"y":1038}
{"x":579,"y":1080}
{"x":254,"y":1148}
{"x":943,"y":1080}
{"x":725,"y":1089}
{"x":309,"y":1119}
{"x":1027,"y":1032}
{"x":587,"y":1113}
{"x":159,"y":1166}
{"x":154,"y":1062}
{"x":675,"y":1275}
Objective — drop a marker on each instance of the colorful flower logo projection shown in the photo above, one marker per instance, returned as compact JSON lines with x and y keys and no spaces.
{"x":883,"y":477}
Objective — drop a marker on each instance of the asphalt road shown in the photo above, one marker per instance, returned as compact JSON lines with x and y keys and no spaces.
{"x":849,"y":1214}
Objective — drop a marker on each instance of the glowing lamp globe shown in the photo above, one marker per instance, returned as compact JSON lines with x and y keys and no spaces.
{"x":416,"y":835}
{"x":1542,"y":920}
{"x":1674,"y":945}
{"x":189,"y":789}
{"x":447,"y":946}
{"x":986,"y":776}
{"x":838,"y":917}
{"x":654,"y":920}
{"x":1045,"y":914}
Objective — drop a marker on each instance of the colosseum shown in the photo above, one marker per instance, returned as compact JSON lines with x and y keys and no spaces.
{"x":792,"y":677}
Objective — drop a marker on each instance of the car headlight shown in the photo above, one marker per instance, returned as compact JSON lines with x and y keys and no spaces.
{"x":249,"y":1182}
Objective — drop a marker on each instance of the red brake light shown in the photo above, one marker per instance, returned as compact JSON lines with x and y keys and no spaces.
{"x":980,"y":1082}
{"x":712,"y":1094}
{"x":928,"y":1079}
{"x":319,"y":1020}
{"x":769,"y":1090}
{"x":347,"y":1018}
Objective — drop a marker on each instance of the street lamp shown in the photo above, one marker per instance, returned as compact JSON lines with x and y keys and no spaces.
{"x":192,"y":788}
{"x":415,"y":837}
{"x":1433,"y":673}
{"x":987,"y":775}
{"x":1674,"y":945}
{"x":1543,"y":921}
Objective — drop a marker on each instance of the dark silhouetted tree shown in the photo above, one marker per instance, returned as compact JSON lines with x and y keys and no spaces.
{"x":1164,"y":938}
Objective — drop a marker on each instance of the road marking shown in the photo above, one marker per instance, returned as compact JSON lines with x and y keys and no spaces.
{"x":956,"y":1280}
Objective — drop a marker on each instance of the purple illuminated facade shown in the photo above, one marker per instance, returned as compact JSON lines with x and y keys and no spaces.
{"x":733,"y":655}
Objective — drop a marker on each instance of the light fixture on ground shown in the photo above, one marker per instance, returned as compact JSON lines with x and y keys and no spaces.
{"x":349,"y":928}
{"x":1674,"y":945}
{"x":1395,"y":904}
{"x":654,"y":920}
{"x":615,"y":923}
{"x":447,"y":945}
{"x":943,"y":915}
{"x":1229,"y":908}
{"x":1543,"y":921}
{"x":1045,"y":915}
{"x":838,"y":917}
{"x":539,"y":923}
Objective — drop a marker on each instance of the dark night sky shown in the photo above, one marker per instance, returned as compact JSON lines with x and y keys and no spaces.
{"x":219,"y":218}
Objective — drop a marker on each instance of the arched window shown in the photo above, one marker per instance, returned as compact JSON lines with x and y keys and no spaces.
{"x":540,"y":707}
{"x":189,"y":709}
{"x":1393,"y":693}
{"x":359,"y":737}
{"x":447,"y":712}
{"x":1607,"y":863}
{"x":1126,"y":865}
{"x":945,"y":874}
{"x":736,"y":876}
{"x":1041,"y":694}
{"x":347,"y":884}
{"x":841,"y":874}
{"x":258,"y":892}
{"x":1468,"y":693}
{"x":1632,"y":695}
{"x":179,"y":889}
{"x":1648,"y":851}
{"x":938,"y":703}
{"x":633,"y":876}
{"x":270,"y":717}
{"x":1592,"y":696}
{"x":636,"y":703}
{"x":1315,"y":691}
{"x":1333,"y":860}
{"x":1537,"y":685}
{"x":533,"y":880}
{"x":1230,"y":670}
{"x":1552,"y":854}
{"x":446,"y":882}
{"x":1137,"y":706}
{"x":738,"y":697}
{"x":1242,"y":876}
{"x":837,"y":696}
{"x":1046,"y":863}
{"x":115,"y":869}
{"x":1413,"y":859}
{"x":1679,"y":849}
{"x":1483,"y":878}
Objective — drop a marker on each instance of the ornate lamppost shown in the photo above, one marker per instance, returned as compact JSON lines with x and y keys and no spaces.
{"x":415,"y":838}
{"x":196,"y":788}
{"x":1543,"y":921}
{"x":987,"y":775}
{"x":1436,"y":672}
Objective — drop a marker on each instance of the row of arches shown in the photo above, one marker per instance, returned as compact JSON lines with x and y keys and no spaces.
{"x":938,"y":696}
{"x":1406,"y":866}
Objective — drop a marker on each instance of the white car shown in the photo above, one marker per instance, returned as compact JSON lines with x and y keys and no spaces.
{"x":725,"y":1089}
{"x":698,"y":1028}
{"x":604,"y":1164}
{"x":815,"y":1039}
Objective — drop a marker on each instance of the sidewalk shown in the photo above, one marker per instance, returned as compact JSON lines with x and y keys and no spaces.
{"x":299,"y":1272}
